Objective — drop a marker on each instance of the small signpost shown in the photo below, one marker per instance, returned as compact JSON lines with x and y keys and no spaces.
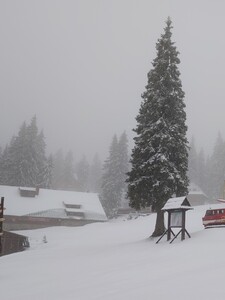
{"x":176,"y":209}
{"x":1,"y":221}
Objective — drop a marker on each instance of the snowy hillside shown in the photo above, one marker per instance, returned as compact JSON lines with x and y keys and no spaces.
{"x":117,"y":261}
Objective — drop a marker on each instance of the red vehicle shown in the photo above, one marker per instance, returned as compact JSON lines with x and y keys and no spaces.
{"x":214,"y":217}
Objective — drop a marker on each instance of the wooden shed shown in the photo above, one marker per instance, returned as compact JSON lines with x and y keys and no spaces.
{"x":12,"y":242}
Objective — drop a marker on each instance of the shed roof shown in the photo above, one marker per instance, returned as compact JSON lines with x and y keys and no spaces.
{"x":180,"y":203}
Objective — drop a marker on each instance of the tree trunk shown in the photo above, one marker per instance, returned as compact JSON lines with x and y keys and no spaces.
{"x":159,"y":226}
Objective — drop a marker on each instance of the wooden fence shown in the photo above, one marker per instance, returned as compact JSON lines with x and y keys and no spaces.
{"x":1,"y":221}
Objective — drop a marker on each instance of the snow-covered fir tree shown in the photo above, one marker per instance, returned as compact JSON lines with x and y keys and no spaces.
{"x":202,"y":170}
{"x":17,"y":158}
{"x":58,"y":170}
{"x":44,"y":164}
{"x":82,"y":173}
{"x":197,"y":167}
{"x":217,"y":169}
{"x":114,"y":175}
{"x":110,"y":195}
{"x":7,"y":167}
{"x":95,"y":175}
{"x":160,"y":155}
{"x":68,"y":172}
{"x":193,"y":162}
{"x":63,"y":173}
{"x":123,"y":164}
{"x":47,"y":172}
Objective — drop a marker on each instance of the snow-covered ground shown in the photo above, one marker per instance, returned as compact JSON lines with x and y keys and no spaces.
{"x":117,"y":261}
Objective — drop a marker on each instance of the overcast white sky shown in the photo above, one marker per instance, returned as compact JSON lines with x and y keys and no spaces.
{"x":81,"y":67}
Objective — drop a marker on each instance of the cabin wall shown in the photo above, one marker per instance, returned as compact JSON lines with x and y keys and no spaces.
{"x":30,"y":222}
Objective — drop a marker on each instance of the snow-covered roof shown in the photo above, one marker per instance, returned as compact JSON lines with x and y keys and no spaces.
{"x":28,"y":189}
{"x":50,"y":203}
{"x":177,"y":203}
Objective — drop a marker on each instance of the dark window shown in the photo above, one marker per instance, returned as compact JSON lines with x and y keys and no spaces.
{"x":77,"y":206}
{"x":209,"y":212}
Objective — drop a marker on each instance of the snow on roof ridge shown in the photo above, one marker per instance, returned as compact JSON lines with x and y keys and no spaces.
{"x":176,"y":203}
{"x":26,"y":188}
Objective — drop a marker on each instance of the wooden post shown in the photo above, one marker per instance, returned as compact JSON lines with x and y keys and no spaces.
{"x":183,"y":226}
{"x":169,"y":224}
{"x":1,"y":222}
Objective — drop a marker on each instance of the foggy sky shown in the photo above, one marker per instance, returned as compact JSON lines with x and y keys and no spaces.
{"x":81,"y":67}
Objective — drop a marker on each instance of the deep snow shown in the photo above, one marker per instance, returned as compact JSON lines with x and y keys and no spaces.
{"x":117,"y":260}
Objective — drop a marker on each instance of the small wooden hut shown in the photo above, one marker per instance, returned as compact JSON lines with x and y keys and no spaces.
{"x":13,"y":242}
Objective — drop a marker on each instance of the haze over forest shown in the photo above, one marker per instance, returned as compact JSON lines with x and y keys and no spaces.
{"x":81,"y":67}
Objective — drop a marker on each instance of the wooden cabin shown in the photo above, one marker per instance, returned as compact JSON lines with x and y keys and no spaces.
{"x":29,"y":208}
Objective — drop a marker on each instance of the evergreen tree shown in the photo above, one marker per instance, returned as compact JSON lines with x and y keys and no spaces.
{"x":197,"y":171}
{"x":217,"y":169}
{"x":17,"y":154}
{"x":15,"y":159}
{"x":160,"y":155}
{"x":47,"y":173}
{"x":123,"y":164}
{"x":82,"y":171}
{"x":7,"y":167}
{"x":44,"y":164}
{"x":193,"y":162}
{"x":95,"y":175}
{"x":58,"y":170}
{"x":32,"y":170}
{"x":207,"y":185}
{"x":202,"y":172}
{"x":111,"y":193}
{"x":68,"y":174}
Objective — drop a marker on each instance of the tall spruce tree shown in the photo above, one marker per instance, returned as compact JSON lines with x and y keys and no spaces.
{"x":68,"y":172}
{"x":160,"y":155}
{"x":95,"y":175}
{"x":82,"y":172}
{"x":114,"y":175}
{"x":110,"y":195}
{"x":123,"y":165}
{"x":193,"y":162}
{"x":202,"y":171}
{"x":58,"y":170}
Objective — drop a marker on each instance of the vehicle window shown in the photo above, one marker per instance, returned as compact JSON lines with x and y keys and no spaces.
{"x":209,"y":213}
